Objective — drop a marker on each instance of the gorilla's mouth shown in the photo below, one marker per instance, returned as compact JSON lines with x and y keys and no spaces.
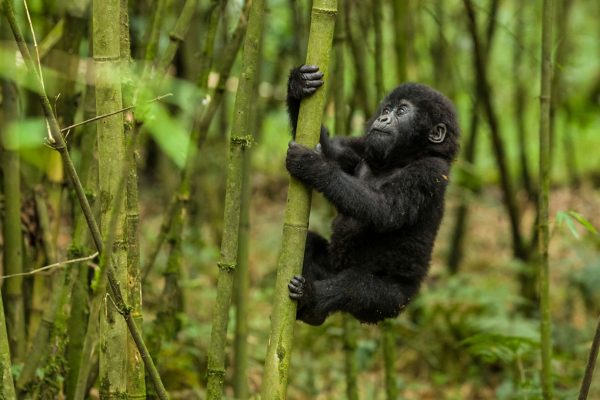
{"x":375,"y":131}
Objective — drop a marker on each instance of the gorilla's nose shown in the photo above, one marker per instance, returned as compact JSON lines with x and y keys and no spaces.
{"x":384,"y":119}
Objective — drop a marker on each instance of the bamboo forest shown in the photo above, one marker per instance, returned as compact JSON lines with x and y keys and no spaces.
{"x":299,"y":199}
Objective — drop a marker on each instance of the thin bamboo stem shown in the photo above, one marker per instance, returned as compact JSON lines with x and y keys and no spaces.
{"x":543,"y":199}
{"x":586,"y":382}
{"x":240,"y":141}
{"x":389,"y":357}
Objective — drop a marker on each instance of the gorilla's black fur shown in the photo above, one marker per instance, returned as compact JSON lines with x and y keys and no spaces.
{"x":388,"y":187}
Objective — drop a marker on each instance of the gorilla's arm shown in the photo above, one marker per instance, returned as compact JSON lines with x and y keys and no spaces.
{"x":382,"y":203}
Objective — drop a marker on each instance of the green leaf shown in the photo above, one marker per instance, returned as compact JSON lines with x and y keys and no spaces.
{"x":169,"y":133}
{"x":584,"y":222}
{"x":569,"y":218}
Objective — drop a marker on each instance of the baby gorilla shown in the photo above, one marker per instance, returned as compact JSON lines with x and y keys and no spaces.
{"x":388,"y":188}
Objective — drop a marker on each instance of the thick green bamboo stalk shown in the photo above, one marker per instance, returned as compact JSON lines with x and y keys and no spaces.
{"x":58,"y":143}
{"x":543,"y":231}
{"x":240,"y":140}
{"x":111,"y":157}
{"x":297,"y":210}
{"x":11,"y":230}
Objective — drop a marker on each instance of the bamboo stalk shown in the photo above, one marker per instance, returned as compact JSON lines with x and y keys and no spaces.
{"x":350,"y":366}
{"x":349,"y":325}
{"x":111,"y":158}
{"x":177,"y":36}
{"x":400,"y":10}
{"x":136,"y":382}
{"x":358,"y":52}
{"x":242,"y":278}
{"x":11,"y":232}
{"x":586,"y":382}
{"x":297,"y":210}
{"x":389,"y":357}
{"x":240,"y":379}
{"x":240,"y":141}
{"x":378,"y":53}
{"x":7,"y":388}
{"x":543,"y":199}
{"x":483,"y":90}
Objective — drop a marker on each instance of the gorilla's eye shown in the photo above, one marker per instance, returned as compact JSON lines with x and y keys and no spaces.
{"x":386,"y":110}
{"x":403,"y":109}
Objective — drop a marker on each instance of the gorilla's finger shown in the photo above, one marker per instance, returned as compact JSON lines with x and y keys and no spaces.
{"x":312,"y":76}
{"x":314,"y":84}
{"x":308,"y":68}
{"x":309,"y":90}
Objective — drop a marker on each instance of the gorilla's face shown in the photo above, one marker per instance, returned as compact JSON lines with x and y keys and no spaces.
{"x":412,"y":119}
{"x":393,"y":127}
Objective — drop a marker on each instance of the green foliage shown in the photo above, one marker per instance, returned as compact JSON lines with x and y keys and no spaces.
{"x":501,"y":348}
{"x":570,"y":218}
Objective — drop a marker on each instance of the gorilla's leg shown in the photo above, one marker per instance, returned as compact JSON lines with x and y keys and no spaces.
{"x":367,"y":297}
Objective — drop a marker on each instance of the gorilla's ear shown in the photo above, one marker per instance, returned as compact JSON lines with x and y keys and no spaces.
{"x":438,"y":133}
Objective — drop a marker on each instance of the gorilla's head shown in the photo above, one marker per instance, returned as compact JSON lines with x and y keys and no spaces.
{"x":413,"y":120}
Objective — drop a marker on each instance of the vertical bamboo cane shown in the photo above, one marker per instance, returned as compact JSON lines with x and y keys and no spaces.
{"x":7,"y":388}
{"x":543,"y":232}
{"x":111,"y":145}
{"x":589,"y":368}
{"x":136,"y":384}
{"x":297,"y":210}
{"x":13,"y":239}
{"x":11,"y":231}
{"x":242,"y":277}
{"x":240,"y":140}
